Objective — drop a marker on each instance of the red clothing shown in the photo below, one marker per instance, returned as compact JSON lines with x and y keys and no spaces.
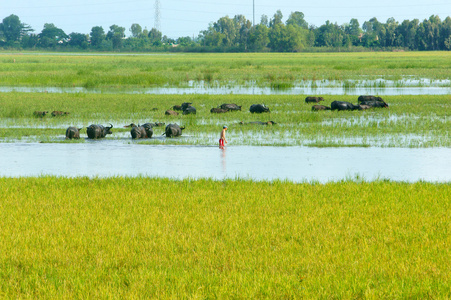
{"x":221,"y":143}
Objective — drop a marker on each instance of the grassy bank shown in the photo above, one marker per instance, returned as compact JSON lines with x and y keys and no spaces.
{"x":410,"y":121}
{"x":141,"y":238}
{"x":261,"y":69}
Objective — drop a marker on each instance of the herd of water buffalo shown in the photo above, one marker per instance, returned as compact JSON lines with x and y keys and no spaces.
{"x":96,"y":131}
{"x":363,"y":102}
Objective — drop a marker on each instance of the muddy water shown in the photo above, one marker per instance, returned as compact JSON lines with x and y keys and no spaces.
{"x":297,"y":164}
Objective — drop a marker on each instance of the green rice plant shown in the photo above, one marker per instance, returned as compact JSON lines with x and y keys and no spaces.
{"x":161,"y":238}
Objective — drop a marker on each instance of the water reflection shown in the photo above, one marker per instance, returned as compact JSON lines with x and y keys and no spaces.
{"x":306,"y":88}
{"x":297,"y":164}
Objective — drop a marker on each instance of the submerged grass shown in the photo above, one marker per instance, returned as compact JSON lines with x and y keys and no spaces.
{"x":410,"y":121}
{"x":161,"y":238}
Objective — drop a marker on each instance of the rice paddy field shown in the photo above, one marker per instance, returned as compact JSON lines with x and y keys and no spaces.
{"x":141,"y":237}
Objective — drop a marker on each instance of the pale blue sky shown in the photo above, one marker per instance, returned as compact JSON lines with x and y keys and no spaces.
{"x":187,"y":18}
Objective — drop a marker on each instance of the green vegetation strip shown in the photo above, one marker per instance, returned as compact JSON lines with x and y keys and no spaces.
{"x":277,"y":70}
{"x":410,"y":121}
{"x":161,"y":238}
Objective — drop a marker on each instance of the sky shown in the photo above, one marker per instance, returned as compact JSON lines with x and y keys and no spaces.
{"x":180,"y":18}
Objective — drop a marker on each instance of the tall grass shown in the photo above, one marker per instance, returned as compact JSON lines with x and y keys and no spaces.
{"x":161,"y":238}
{"x":263,"y":69}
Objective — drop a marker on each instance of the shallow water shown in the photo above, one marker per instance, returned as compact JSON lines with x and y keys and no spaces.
{"x":298,"y":164}
{"x":406,"y":86}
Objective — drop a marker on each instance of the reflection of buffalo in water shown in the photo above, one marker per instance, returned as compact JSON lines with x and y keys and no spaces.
{"x":73,"y":132}
{"x":98,"y":131}
{"x":258,"y":108}
{"x":342,"y":105}
{"x":172,"y":130}
{"x":230,"y":106}
{"x":141,"y":131}
{"x":313,"y":99}
{"x":259,"y":123}
{"x":320,"y":107}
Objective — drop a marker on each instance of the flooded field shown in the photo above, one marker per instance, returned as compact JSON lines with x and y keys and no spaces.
{"x":297,"y":164}
{"x":382,"y":87}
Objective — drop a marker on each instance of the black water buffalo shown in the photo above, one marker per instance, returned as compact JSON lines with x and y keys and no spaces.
{"x":73,"y":132}
{"x":374,"y":103}
{"x":157,"y":124}
{"x":189,"y":110}
{"x":230,"y":106}
{"x":313,"y":99}
{"x":369,"y":98}
{"x":320,"y":107}
{"x":40,"y":113}
{"x":185,"y":105}
{"x":342,"y":105}
{"x":171,"y":113}
{"x":258,"y":108}
{"x":98,"y":131}
{"x":172,"y":130}
{"x":259,"y":123}
{"x":215,"y":110}
{"x":56,"y":113}
{"x":141,"y":131}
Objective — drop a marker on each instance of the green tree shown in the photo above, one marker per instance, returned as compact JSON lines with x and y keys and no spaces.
{"x":258,"y":37}
{"x":297,"y":18}
{"x":50,"y":36}
{"x":78,"y":40}
{"x":286,"y":38}
{"x":136,"y":30}
{"x":115,"y":35}
{"x":155,"y":37}
{"x":97,"y":36}
{"x":13,"y":29}
{"x":276,"y":20}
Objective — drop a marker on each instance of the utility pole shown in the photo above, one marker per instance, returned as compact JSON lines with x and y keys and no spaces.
{"x":253,"y":12}
{"x":157,"y":24}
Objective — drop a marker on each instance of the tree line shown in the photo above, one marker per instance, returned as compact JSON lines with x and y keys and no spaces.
{"x":238,"y":34}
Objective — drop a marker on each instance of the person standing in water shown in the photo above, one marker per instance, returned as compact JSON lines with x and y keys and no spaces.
{"x":222,"y":139}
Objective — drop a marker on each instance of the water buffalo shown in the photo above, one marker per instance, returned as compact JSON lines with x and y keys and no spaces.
{"x":73,"y":132}
{"x":320,"y":107}
{"x":259,"y":123}
{"x":189,"y":110}
{"x":185,"y":105}
{"x":40,"y":113}
{"x":258,"y":108}
{"x":374,"y":103}
{"x":157,"y":124}
{"x":177,"y":107}
{"x":369,"y":98}
{"x":313,"y":99}
{"x":215,"y":110}
{"x":59,"y":113}
{"x":98,"y":131}
{"x":230,"y":106}
{"x":141,"y":131}
{"x":342,"y":105}
{"x":171,"y":113}
{"x":172,"y":130}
